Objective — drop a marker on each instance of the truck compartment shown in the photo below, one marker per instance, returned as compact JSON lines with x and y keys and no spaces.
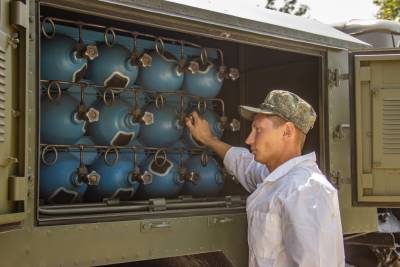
{"x":112,"y":98}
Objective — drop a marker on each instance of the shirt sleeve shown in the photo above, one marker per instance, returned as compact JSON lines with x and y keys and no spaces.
{"x":240,"y":163}
{"x":311,"y":227}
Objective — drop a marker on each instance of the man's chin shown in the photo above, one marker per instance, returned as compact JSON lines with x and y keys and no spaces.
{"x":258,"y":159}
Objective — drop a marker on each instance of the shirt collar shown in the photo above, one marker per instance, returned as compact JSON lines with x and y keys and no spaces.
{"x":288,"y":165}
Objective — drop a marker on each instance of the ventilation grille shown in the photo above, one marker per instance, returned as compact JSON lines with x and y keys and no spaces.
{"x":391,"y":126}
{"x":2,"y":95}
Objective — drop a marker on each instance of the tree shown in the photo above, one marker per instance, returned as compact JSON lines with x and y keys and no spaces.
{"x":290,"y":7}
{"x":388,"y":9}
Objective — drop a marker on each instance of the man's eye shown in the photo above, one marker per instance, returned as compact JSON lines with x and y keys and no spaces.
{"x":258,"y":130}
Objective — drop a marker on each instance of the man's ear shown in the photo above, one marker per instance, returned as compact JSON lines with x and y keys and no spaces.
{"x":289,"y":129}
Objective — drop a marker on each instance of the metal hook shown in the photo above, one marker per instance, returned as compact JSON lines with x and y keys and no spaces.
{"x":53,"y":28}
{"x":106,"y":32}
{"x":58,"y":87}
{"x":45,"y":150}
{"x":105,"y":93}
{"x":115,"y":150}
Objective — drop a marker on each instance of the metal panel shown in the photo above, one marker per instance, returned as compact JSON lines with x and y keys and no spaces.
{"x":250,"y":18}
{"x":354,"y":219}
{"x":377,"y":116}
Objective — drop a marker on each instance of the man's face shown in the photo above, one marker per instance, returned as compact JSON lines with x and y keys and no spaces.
{"x":266,"y":141}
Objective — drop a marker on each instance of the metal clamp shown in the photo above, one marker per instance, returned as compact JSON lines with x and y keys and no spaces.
{"x":105,"y":94}
{"x":58,"y":87}
{"x":160,"y":101}
{"x":45,"y":150}
{"x":115,"y":150}
{"x":106,"y":40}
{"x":160,"y":50}
{"x":163,"y":157}
{"x":53,"y":28}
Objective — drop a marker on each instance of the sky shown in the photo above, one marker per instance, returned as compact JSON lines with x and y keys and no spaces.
{"x":331,"y":11}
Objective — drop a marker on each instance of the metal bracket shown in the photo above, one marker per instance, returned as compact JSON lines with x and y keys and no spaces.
{"x":8,"y":161}
{"x":157,"y":204}
{"x":339,"y":133}
{"x":154,"y":226}
{"x":334,"y":77}
{"x":217,"y":220}
{"x":234,"y":201}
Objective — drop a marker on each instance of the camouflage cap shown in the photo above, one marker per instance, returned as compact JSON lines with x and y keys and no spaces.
{"x":286,"y":105}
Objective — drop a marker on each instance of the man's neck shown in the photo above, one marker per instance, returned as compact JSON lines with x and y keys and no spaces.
{"x":285,"y":156}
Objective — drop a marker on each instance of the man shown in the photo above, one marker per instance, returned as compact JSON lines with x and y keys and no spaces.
{"x":292,"y":212}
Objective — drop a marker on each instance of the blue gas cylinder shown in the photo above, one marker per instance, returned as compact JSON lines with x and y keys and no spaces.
{"x":59,"y":59}
{"x":215,"y":126}
{"x":165,"y":130}
{"x":59,"y":123}
{"x":205,"y":180}
{"x":163,"y":75}
{"x":59,"y":181}
{"x":206,"y":82}
{"x":116,"y":125}
{"x":163,"y":178}
{"x":113,"y":67}
{"x":117,"y":179}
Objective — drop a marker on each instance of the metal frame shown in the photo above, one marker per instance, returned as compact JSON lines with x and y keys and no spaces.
{"x":131,"y":240}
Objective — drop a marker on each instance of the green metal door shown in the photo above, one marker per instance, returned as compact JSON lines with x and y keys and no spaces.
{"x":377,"y":124}
{"x":354,"y":219}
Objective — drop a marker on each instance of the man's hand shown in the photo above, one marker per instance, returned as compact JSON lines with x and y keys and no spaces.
{"x":199,"y":128}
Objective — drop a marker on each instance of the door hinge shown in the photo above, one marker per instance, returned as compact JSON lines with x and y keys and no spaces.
{"x":13,"y":40}
{"x":334,"y":77}
{"x":19,"y":14}
{"x":5,"y":162}
{"x":17,"y":188}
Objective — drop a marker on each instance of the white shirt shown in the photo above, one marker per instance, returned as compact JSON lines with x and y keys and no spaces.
{"x":293,"y":213}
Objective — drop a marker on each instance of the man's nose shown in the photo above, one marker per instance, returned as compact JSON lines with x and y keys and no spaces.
{"x":249,"y":139}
